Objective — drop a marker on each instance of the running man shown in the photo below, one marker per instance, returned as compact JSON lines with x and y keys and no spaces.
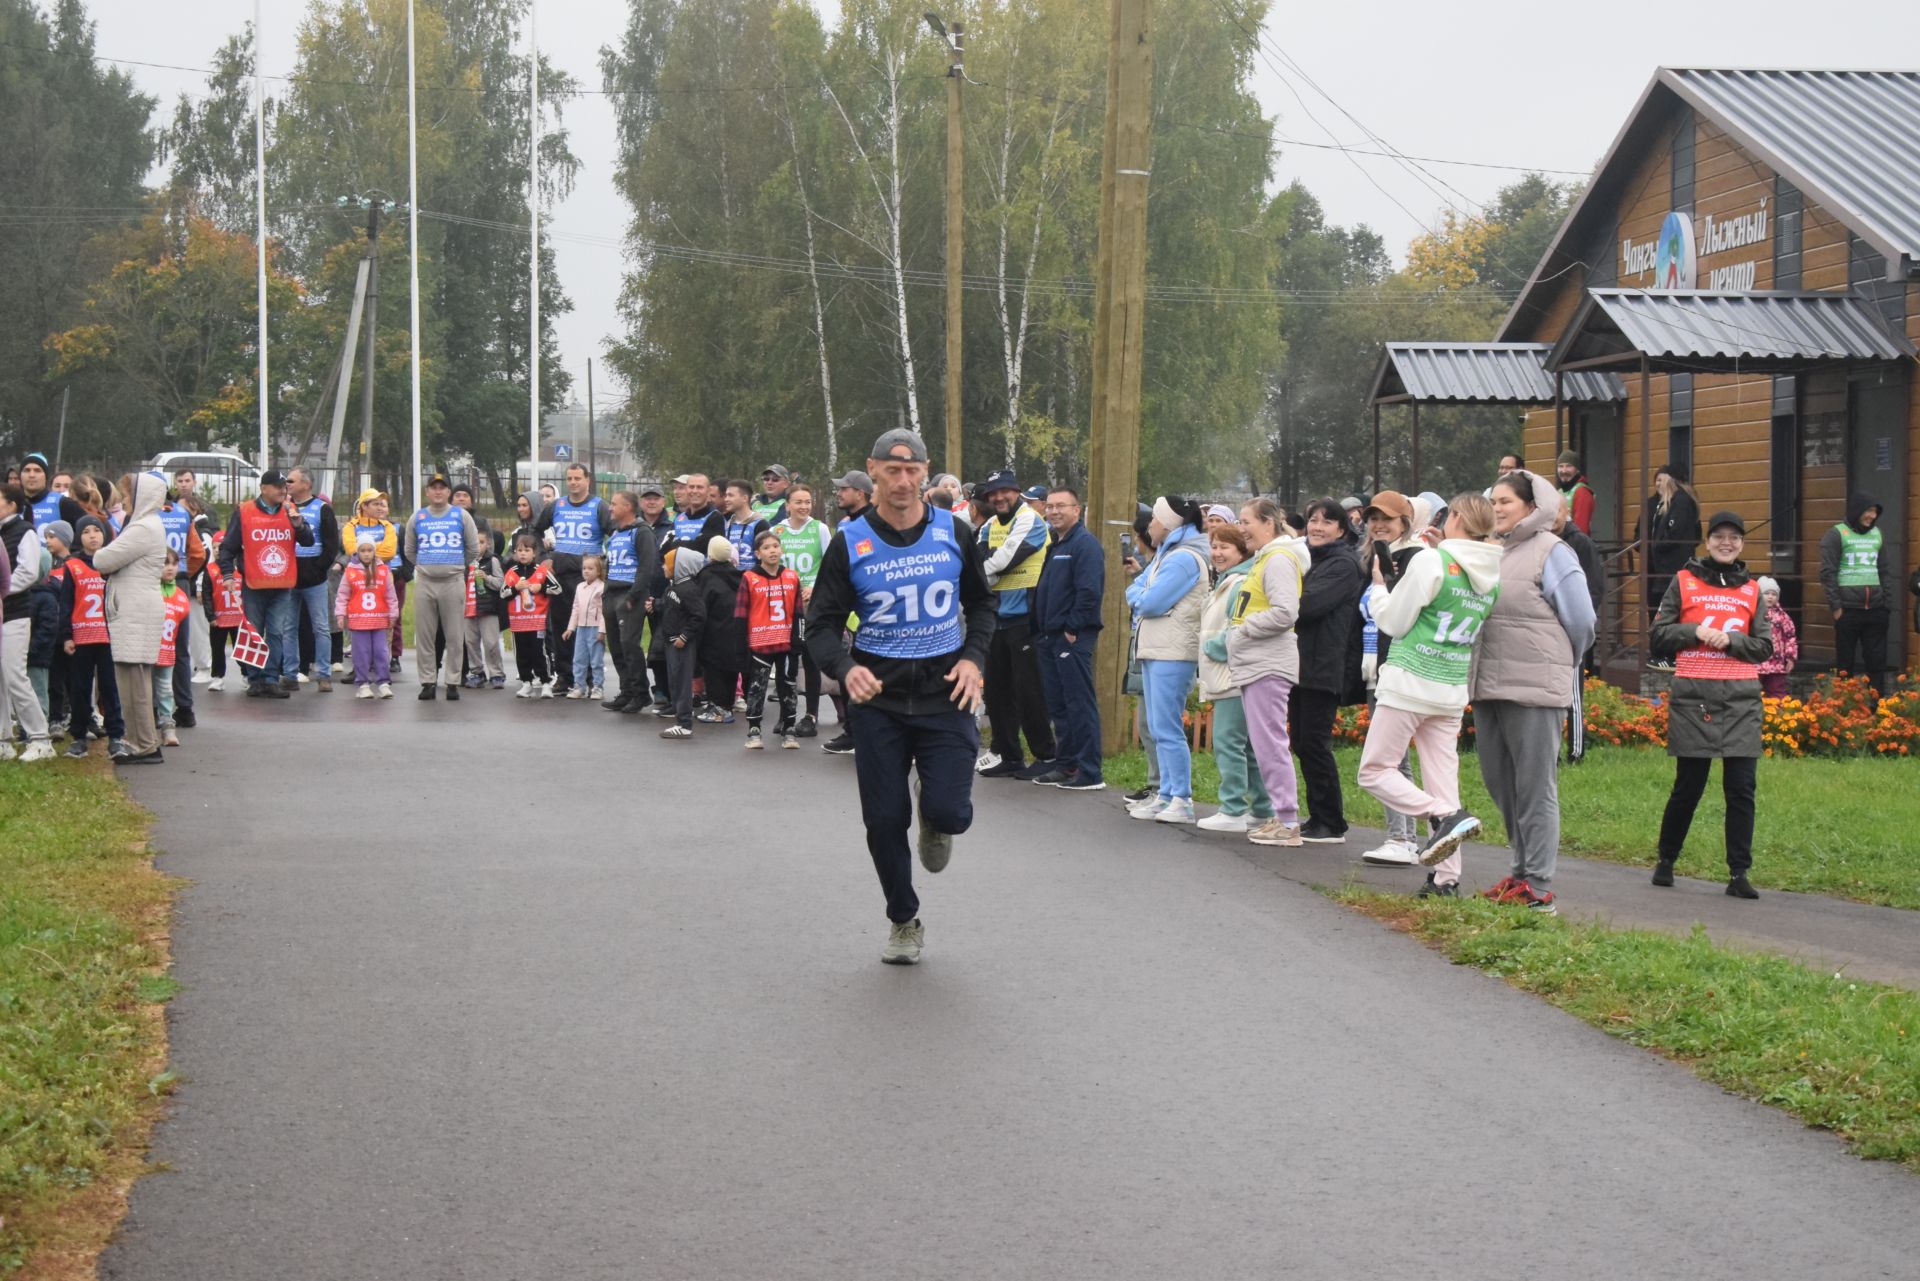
{"x":913,"y":675}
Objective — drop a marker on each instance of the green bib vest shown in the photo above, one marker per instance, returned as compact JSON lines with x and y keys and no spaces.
{"x":800,"y":549}
{"x":1439,"y":646}
{"x":1859,"y":557}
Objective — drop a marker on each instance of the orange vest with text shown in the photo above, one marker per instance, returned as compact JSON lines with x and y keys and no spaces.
{"x":1724,"y":609}
{"x":771,"y":606}
{"x":89,"y":620}
{"x":177,"y":606}
{"x":229,"y":604}
{"x":369,"y":597}
{"x":266,"y":547}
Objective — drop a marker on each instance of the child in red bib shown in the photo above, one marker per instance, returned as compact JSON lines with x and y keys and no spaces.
{"x":366,"y":606}
{"x":89,"y":649}
{"x":227,"y":605}
{"x":770,"y":602}
{"x":177,"y":603}
{"x":528,"y":585}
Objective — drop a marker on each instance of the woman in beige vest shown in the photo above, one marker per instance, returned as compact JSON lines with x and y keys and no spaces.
{"x":1168,"y":598}
{"x":1524,"y":678}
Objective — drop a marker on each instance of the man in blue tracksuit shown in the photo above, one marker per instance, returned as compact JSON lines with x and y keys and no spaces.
{"x":1065,"y":613}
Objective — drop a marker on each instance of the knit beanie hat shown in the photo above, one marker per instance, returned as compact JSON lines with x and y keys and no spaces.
{"x":720,"y":550}
{"x":59,"y":529}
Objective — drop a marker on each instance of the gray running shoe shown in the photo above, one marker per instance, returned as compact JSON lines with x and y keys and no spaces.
{"x":935,"y":847}
{"x":904,"y":942}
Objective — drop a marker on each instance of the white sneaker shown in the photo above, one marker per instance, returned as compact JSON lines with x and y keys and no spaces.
{"x":338,"y":668}
{"x":169,"y":738}
{"x":202,"y":677}
{"x":525,"y":690}
{"x":575,"y":693}
{"x":218,"y":685}
{"x":386,"y":689}
{"x":1392,"y":853}
{"x":302,"y":678}
{"x":6,"y":751}
{"x":365,"y":691}
{"x":1149,"y":808}
{"x":39,"y":750}
{"x":1225,"y":822}
{"x":1177,"y":810}
{"x":988,"y":759}
{"x":739,"y":704}
{"x":597,"y":693}
{"x":543,"y":690}
{"x":904,"y":943}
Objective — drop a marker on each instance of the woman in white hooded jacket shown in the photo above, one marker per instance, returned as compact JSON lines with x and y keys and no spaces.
{"x":136,"y":612}
{"x":1434,"y":615}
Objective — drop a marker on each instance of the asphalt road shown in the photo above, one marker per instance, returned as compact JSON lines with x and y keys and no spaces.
{"x":512,"y":990}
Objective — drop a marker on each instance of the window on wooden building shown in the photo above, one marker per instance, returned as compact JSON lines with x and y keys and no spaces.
{"x":1786,"y":235}
{"x":1680,"y":423}
{"x":1783,"y":504}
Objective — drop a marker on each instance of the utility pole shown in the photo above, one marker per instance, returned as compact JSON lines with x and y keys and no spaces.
{"x":367,"y":365}
{"x":260,"y":232}
{"x":593,"y":458}
{"x":1119,"y":331}
{"x":955,"y":36}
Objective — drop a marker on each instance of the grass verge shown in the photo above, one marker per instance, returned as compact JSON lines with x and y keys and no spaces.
{"x":1825,"y":825}
{"x":83,"y":957}
{"x":1838,"y":1054}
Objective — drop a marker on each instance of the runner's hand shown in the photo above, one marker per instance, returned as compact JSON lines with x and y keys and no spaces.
{"x":862,"y":685}
{"x":965,"y":679}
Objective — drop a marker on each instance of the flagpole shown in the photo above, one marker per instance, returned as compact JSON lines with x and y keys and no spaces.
{"x":533,"y":207}
{"x":260,"y":228}
{"x":413,"y":243}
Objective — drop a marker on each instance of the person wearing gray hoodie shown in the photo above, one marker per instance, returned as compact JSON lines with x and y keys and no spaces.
{"x":683,"y":617}
{"x":1525,"y":676}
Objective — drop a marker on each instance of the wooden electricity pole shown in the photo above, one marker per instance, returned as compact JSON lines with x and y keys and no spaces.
{"x":1119,"y":327}
{"x":956,"y":227}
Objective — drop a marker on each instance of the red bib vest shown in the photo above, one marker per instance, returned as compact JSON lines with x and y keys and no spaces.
{"x":369,"y":597}
{"x":266,"y":547}
{"x":177,"y":606}
{"x":473,"y":608}
{"x":89,"y":619}
{"x":1724,"y":609}
{"x":527,"y":617}
{"x":771,"y":605}
{"x":229,"y":605}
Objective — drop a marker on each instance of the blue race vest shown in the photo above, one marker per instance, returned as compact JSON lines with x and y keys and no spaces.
{"x":623,"y":566}
{"x":576,"y":528}
{"x":47,"y":508}
{"x":178,"y":522}
{"x":439,"y":540}
{"x":909,"y":597}
{"x":740,"y":534}
{"x":687,"y":528}
{"x":310,"y":512}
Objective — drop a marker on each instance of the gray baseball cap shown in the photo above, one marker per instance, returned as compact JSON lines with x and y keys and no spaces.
{"x":891,"y":443}
{"x":855,"y":480}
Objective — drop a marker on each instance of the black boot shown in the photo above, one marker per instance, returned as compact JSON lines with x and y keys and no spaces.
{"x":453,"y":693}
{"x":1663,"y":872}
{"x":1738,"y":887}
{"x":427,"y":693}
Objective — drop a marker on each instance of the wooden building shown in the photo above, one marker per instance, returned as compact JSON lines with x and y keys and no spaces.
{"x":1747,"y":262}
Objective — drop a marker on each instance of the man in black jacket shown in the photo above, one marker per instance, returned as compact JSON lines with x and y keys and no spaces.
{"x":1065,"y":613}
{"x":311,"y":565}
{"x":913,"y":676}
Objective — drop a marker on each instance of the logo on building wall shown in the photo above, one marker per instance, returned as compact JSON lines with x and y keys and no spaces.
{"x":1674,"y":261}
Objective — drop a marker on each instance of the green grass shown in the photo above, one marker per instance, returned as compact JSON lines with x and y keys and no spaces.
{"x":83,"y":919}
{"x":1838,"y":1054}
{"x":1825,"y":825}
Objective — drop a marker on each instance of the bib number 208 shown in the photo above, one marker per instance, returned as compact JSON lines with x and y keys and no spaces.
{"x":911,"y":603}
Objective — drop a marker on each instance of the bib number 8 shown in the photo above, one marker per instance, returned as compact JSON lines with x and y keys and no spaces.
{"x":914,"y":605}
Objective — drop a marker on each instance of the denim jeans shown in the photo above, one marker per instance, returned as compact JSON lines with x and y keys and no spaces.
{"x":317,"y":603}
{"x":274,"y":613}
{"x":589,"y":658}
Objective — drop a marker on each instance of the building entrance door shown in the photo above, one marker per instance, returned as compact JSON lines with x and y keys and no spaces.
{"x":1597,"y":428}
{"x":1877,"y":405}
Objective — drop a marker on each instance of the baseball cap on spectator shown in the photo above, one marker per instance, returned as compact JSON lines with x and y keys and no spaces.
{"x":900,"y":445}
{"x":684,"y":478}
{"x":1390,"y":504}
{"x":1350,"y":503}
{"x":855,"y":480}
{"x":274,"y":478}
{"x":776,"y":470}
{"x":1734,"y":519}
{"x":1034,"y":493}
{"x":438,"y":478}
{"x":998,"y":481}
{"x":651,"y":487}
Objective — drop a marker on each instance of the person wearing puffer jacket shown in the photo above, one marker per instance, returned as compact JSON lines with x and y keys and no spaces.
{"x":1263,"y":656}
{"x":136,"y":614}
{"x":1525,"y":676}
{"x":1243,"y":801}
{"x":1435,"y":614}
{"x":1167,"y":599}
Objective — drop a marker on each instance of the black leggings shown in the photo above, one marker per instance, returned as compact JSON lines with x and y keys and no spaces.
{"x":530,"y":654}
{"x":219,"y":640}
{"x":1737,"y":780}
{"x":1310,"y":716}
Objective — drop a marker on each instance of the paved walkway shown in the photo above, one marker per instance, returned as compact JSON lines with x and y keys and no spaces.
{"x":499,"y":990}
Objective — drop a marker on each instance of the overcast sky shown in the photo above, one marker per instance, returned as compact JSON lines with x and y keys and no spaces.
{"x":1497,"y":82}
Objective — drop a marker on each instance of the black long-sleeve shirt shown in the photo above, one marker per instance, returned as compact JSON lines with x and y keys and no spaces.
{"x":908,"y":686}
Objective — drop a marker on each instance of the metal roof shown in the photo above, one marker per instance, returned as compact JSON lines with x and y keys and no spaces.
{"x":1850,"y":140}
{"x":1703,"y":330}
{"x":1481,"y":373}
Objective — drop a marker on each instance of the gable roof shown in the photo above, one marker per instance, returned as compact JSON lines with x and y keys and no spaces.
{"x":1848,"y":140}
{"x":1481,"y":373}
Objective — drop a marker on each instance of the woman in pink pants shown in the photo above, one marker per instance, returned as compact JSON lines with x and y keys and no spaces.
{"x":1434,"y":614}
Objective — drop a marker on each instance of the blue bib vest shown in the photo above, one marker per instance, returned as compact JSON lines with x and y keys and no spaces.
{"x":310,"y":512}
{"x":687,"y":528}
{"x":623,"y":566}
{"x":576,"y":527}
{"x":740,"y":534}
{"x":47,"y":508}
{"x":909,"y":597}
{"x":178,"y":522}
{"x":439,"y":540}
